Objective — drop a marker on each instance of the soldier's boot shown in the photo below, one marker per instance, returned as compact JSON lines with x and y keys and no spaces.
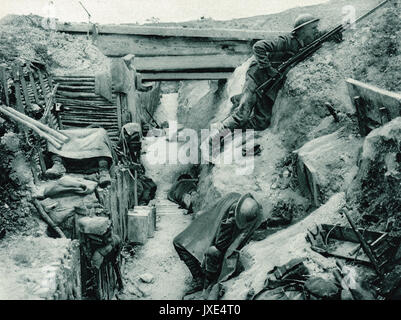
{"x":210,"y":280}
{"x":57,"y":170}
{"x":195,"y":286}
{"x":213,"y":260}
{"x":104,"y":175}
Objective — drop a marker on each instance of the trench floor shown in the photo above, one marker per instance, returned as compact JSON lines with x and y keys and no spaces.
{"x":158,"y":259}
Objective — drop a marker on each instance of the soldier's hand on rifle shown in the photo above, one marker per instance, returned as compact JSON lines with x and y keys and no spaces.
{"x":272,"y":72}
{"x":337,"y":37}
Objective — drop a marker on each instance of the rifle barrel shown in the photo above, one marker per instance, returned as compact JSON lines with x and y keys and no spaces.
{"x":309,"y":49}
{"x":370,"y":11}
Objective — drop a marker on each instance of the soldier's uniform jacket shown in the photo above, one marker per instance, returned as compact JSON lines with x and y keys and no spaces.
{"x":270,"y":54}
{"x":253,"y":111}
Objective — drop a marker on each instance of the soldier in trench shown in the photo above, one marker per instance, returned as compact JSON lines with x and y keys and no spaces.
{"x":210,"y":245}
{"x":252,"y":110}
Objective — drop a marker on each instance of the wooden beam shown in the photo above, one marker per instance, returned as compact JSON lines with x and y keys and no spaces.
{"x":17,"y":86}
{"x":118,"y":45}
{"x":43,"y":86}
{"x":175,"y":76}
{"x":374,"y":90}
{"x":374,"y":106}
{"x":24,"y":87}
{"x":3,"y":79}
{"x":83,"y":95}
{"x":33,"y":85}
{"x":176,"y":63}
{"x":168,"y":31}
{"x":119,"y":113}
{"x":76,"y":88}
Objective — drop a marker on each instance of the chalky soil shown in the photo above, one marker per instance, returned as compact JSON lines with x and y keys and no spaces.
{"x":155,"y":272}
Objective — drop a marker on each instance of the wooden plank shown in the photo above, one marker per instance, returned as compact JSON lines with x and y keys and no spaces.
{"x":50,"y":81}
{"x":144,"y":46}
{"x":33,"y":86}
{"x":43,"y":86}
{"x":83,"y":100}
{"x":178,"y":63}
{"x":74,"y":77}
{"x":96,"y":114}
{"x":176,"y":76}
{"x":76,"y":88}
{"x":87,"y":103}
{"x":84,"y":109}
{"x":76,"y":83}
{"x":20,"y":106}
{"x":3,"y":79}
{"x":125,"y":198}
{"x":97,"y":120}
{"x":79,"y":122}
{"x":90,"y":109}
{"x":77,"y":94}
{"x":135,"y":187}
{"x":376,"y":106}
{"x":93,"y":114}
{"x":121,"y":205}
{"x":114,"y":208}
{"x":24,"y":87}
{"x":119,"y":113}
{"x":125,"y":114}
{"x":168,"y":31}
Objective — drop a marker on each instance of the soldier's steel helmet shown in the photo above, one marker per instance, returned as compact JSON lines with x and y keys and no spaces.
{"x":246,"y":210}
{"x":303,"y":20}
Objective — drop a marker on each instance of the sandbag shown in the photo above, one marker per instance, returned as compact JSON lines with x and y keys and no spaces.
{"x":321,"y":289}
{"x":68,"y":185}
{"x":63,"y":210}
{"x":288,"y":292}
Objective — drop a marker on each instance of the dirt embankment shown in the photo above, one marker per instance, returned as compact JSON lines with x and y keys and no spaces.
{"x":299,"y":117}
{"x":28,"y":38}
{"x":331,"y":13}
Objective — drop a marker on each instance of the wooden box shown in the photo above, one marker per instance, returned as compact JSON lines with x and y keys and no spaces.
{"x":141,"y":224}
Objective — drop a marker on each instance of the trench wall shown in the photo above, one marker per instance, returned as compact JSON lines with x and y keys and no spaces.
{"x":40,"y":268}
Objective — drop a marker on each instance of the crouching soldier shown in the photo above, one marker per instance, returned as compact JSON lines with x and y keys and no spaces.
{"x":253,"y":111}
{"x":210,"y":245}
{"x":183,"y":192}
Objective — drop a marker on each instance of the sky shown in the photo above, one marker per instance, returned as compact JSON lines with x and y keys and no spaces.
{"x":141,"y":11}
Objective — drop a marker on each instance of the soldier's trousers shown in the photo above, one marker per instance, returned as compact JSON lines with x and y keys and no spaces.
{"x":213,"y":260}
{"x":252,"y":112}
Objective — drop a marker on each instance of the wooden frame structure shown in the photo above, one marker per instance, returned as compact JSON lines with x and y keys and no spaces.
{"x":374,"y":106}
{"x":165,"y":53}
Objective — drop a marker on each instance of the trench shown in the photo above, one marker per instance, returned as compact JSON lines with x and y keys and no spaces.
{"x":167,"y":276}
{"x":154,"y":270}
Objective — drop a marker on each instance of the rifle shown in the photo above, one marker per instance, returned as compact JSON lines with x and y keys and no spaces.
{"x":151,"y":118}
{"x":306,"y":52}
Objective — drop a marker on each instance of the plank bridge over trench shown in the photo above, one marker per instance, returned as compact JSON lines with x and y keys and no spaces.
{"x":165,"y":53}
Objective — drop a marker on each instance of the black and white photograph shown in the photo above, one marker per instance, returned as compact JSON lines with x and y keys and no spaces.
{"x":200,"y":154}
